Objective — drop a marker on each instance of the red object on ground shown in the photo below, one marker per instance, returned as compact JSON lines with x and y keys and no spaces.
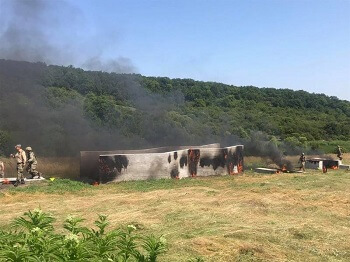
{"x":6,"y":182}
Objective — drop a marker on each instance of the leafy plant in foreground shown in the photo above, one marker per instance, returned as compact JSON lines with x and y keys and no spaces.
{"x":32,"y":238}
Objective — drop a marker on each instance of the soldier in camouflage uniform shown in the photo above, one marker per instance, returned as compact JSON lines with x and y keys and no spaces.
{"x":2,"y":169}
{"x":21,"y":160}
{"x":339,"y":153}
{"x":302,"y":161}
{"x":32,"y":163}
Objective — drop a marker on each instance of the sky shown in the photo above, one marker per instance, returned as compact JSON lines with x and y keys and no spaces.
{"x":299,"y":44}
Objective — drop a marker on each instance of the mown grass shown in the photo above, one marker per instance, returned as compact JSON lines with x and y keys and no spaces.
{"x":252,"y":217}
{"x":306,"y":181}
{"x":57,"y":186}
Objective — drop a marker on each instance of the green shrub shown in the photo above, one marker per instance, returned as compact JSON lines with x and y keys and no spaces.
{"x":32,"y":238}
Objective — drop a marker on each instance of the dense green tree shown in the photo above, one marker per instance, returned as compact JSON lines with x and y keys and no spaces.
{"x":160,"y":110}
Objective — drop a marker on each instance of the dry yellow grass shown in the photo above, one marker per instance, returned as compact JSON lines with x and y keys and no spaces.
{"x":346,"y":158}
{"x":285,"y":217}
{"x":50,"y":166}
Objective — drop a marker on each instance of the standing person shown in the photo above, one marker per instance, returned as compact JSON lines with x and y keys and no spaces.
{"x":2,"y":169}
{"x":32,"y":163}
{"x":302,"y":161}
{"x":339,"y":153}
{"x":21,"y":159}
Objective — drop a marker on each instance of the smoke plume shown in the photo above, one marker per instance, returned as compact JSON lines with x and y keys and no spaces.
{"x":259,"y":145}
{"x":118,"y":65}
{"x":35,"y":31}
{"x":63,"y":129}
{"x":44,"y":31}
{"x":26,"y":34}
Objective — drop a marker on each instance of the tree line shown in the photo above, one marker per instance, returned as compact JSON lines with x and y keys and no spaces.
{"x":131,"y":110}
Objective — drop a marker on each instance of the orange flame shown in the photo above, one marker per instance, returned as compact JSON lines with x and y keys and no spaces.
{"x":6,"y":182}
{"x":230,"y":169}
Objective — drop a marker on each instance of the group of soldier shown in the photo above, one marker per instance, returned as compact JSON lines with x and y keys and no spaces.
{"x":25,"y":160}
{"x":302,"y":159}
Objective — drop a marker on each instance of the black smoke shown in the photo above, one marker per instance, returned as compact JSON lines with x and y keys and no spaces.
{"x":59,"y":131}
{"x":260,"y":145}
{"x":29,"y":31}
{"x":54,"y":32}
{"x":34,"y":31}
{"x":118,"y":65}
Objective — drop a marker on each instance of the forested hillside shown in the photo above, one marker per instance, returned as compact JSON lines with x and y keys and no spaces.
{"x":62,"y":110}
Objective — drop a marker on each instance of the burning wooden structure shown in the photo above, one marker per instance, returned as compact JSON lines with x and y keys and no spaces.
{"x":179,"y":162}
{"x":322,"y":164}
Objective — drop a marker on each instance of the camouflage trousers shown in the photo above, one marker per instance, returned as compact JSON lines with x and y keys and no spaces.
{"x":20,"y":169}
{"x":31,"y":169}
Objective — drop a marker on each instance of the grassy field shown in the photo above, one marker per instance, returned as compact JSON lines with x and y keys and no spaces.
{"x":284,"y":217}
{"x":63,"y":167}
